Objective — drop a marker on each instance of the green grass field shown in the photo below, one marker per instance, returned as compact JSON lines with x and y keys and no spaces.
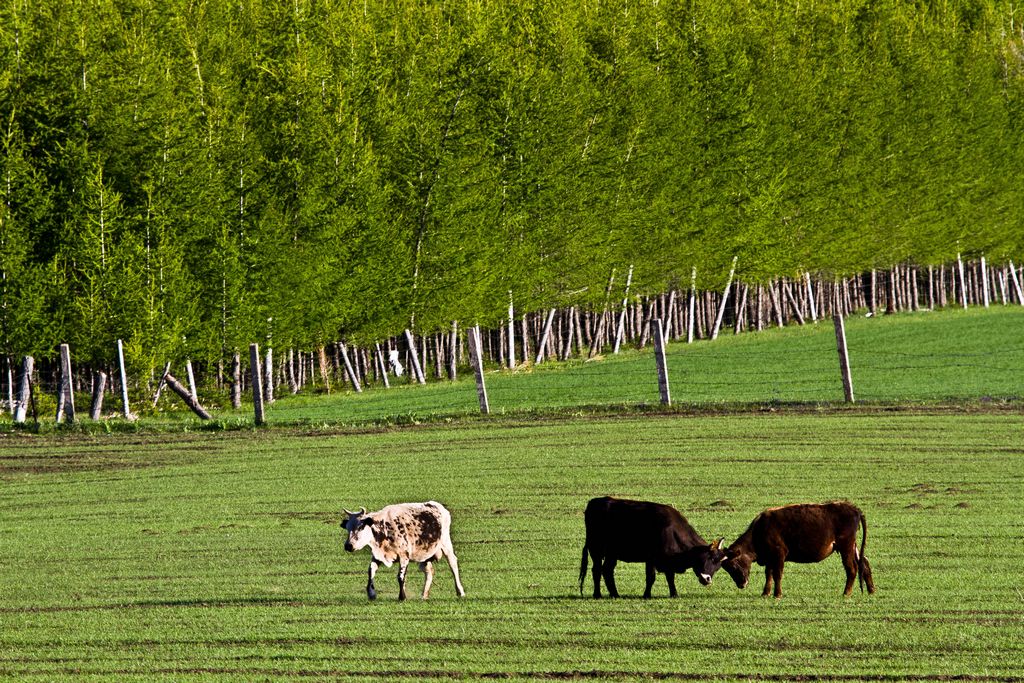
{"x":165,"y":552}
{"x":923,"y":358}
{"x":217,"y":556}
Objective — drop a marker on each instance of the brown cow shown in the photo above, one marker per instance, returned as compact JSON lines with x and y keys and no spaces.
{"x":801,"y":533}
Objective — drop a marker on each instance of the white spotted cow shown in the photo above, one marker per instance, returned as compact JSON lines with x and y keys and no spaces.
{"x":404,"y":532}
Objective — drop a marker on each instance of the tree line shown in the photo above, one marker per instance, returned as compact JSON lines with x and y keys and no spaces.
{"x":190,"y":176}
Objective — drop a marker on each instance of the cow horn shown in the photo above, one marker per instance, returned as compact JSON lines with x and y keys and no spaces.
{"x":362,"y":511}
{"x":717,"y":545}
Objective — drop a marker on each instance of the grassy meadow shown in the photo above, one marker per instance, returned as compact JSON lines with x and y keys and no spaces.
{"x":217,"y":556}
{"x":157,"y":550}
{"x":922,"y":358}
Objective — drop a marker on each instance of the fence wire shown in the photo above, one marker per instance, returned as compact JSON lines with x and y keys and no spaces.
{"x":966,"y":362}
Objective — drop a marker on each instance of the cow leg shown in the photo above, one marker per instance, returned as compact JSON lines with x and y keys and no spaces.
{"x":608,"y":571}
{"x":371,"y":591}
{"x":403,"y":567}
{"x":652,"y":574}
{"x":453,"y":562}
{"x":428,"y":569}
{"x":777,"y":575}
{"x":670,"y":578}
{"x":596,"y":561}
{"x":767,"y":581}
{"x":850,"y":565}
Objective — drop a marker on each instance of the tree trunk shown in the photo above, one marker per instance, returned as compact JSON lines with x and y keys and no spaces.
{"x":725,"y":298}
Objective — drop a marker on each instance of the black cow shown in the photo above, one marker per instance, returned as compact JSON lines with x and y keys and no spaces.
{"x":652,"y":533}
{"x":801,"y":533}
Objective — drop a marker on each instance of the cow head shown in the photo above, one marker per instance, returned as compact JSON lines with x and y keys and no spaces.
{"x":357,"y":525}
{"x":738,"y":566}
{"x":709,"y":559}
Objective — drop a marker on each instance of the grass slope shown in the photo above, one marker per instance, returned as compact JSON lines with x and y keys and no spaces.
{"x":927,"y":357}
{"x":217,"y":556}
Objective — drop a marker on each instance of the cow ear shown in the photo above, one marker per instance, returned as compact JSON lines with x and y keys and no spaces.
{"x":365,"y":521}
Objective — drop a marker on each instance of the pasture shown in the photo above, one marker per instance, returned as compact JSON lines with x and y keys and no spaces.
{"x":928,"y":357}
{"x":217,"y":556}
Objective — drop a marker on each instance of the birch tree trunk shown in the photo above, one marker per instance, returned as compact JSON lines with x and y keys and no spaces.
{"x":725,"y":298}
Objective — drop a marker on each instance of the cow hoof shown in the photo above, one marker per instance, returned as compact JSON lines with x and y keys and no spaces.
{"x":372,"y":595}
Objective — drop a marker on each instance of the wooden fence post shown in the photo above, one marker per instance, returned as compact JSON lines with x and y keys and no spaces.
{"x":191,"y":377}
{"x":10,"y":383}
{"x":659,"y":357}
{"x":236,"y":380}
{"x":595,"y":341}
{"x":985,"y":294}
{"x":511,"y":332}
{"x":382,"y":367}
{"x":24,"y":390}
{"x":1016,"y":284}
{"x":963,"y":280}
{"x":844,"y":358}
{"x":542,"y":347}
{"x":725,"y":298}
{"x":453,"y":355}
{"x":161,"y":383}
{"x":123,"y":374}
{"x":476,"y":357}
{"x":810,"y":298}
{"x":257,"y":384}
{"x":349,"y":370}
{"x":792,"y":302}
{"x":99,"y":388}
{"x":620,"y":328}
{"x":183,"y":393}
{"x":416,"y":368}
{"x":691,"y":308}
{"x":66,"y":397}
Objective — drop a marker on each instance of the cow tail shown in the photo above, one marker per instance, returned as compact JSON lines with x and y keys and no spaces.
{"x":864,"y":573}
{"x":583,"y":568}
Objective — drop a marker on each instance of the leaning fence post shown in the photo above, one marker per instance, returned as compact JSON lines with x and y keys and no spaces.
{"x":66,"y":398}
{"x":257,"y":384}
{"x":24,"y":390}
{"x":99,"y":388}
{"x":414,"y":354}
{"x":844,"y":358}
{"x":725,"y":299}
{"x":621,"y":327}
{"x":476,"y":358}
{"x":542,"y":347}
{"x":381,"y":366}
{"x":191,"y":376}
{"x":124,"y":381}
{"x":659,"y":356}
{"x":349,"y":370}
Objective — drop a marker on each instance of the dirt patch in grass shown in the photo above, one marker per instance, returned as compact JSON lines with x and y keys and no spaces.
{"x":85,"y":462}
{"x":576,"y":675}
